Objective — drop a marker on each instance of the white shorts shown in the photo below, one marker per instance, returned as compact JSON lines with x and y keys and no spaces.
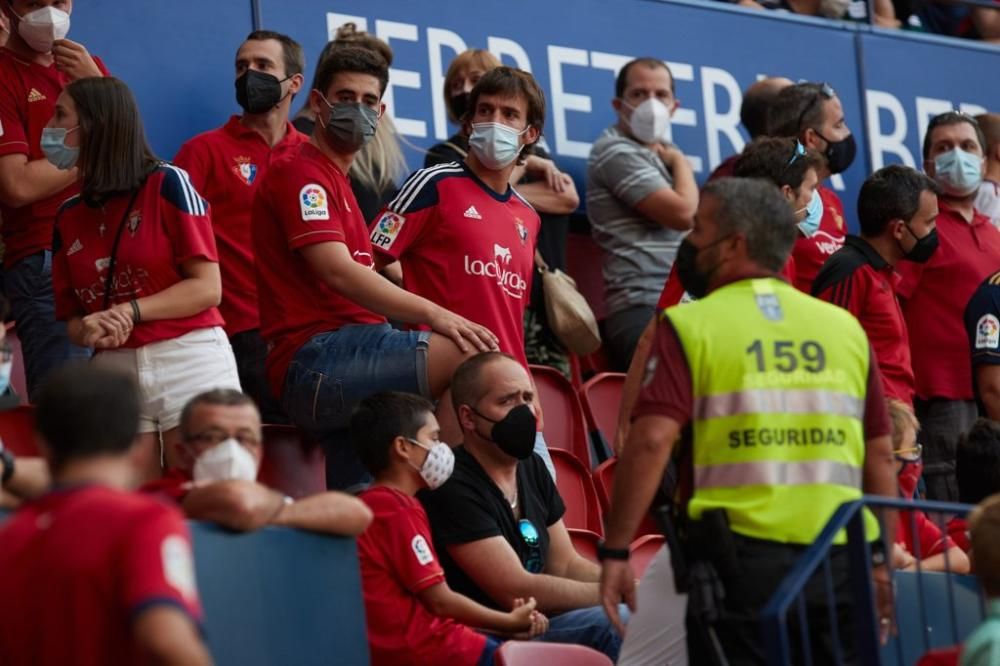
{"x":171,"y":372}
{"x":656,"y":633}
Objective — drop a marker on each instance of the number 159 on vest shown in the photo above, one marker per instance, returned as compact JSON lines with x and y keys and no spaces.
{"x":788,"y":355}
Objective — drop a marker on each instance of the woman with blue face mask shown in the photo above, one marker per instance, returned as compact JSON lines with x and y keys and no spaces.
{"x":135,"y":268}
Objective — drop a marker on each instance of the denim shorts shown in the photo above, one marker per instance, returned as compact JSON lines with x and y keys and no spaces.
{"x":333,"y":372}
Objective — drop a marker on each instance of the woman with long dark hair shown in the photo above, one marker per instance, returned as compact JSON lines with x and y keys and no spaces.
{"x":135,"y":268}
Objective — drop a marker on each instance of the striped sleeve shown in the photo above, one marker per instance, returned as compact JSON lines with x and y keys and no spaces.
{"x":420,"y":189}
{"x":179,"y":191}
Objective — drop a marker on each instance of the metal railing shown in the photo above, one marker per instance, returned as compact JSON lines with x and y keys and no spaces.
{"x":785,"y":627}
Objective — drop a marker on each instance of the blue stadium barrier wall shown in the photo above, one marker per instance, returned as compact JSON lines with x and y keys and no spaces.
{"x":178,"y":57}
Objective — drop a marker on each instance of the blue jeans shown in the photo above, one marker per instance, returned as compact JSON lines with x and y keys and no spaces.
{"x":486,"y":657}
{"x":587,"y":626}
{"x":44,"y":341}
{"x":332,"y":372}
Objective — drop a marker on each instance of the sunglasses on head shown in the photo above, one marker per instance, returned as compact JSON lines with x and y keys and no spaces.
{"x":823,"y":91}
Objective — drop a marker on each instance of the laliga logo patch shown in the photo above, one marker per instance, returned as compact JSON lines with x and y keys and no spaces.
{"x":245,"y":169}
{"x":988,"y":332}
{"x":178,"y":565}
{"x":384,"y":231}
{"x":421,"y":550}
{"x":312,"y":203}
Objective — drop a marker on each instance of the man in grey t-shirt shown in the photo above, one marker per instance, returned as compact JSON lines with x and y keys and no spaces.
{"x":641,"y":198}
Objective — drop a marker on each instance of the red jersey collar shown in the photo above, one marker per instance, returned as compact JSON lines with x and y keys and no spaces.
{"x":977,"y":217}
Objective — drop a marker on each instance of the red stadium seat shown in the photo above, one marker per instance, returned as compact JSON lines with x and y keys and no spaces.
{"x":601,"y":397}
{"x":643,"y":550}
{"x":585,"y":543}
{"x":292,"y":464}
{"x":565,"y":427}
{"x":18,"y":381}
{"x":604,"y":477}
{"x":583,"y":510}
{"x":941,"y":657}
{"x":523,"y":653}
{"x":17,"y":430}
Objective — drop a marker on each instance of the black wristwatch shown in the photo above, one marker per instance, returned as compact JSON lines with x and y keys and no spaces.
{"x":878,"y":553}
{"x":605,"y":553}
{"x":8,"y":465}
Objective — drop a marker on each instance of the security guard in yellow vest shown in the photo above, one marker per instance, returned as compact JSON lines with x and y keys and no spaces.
{"x":786,"y":411}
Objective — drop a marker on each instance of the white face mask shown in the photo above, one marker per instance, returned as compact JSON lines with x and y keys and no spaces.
{"x":438,"y":465}
{"x":42,"y":27}
{"x":226,"y":461}
{"x":649,"y":120}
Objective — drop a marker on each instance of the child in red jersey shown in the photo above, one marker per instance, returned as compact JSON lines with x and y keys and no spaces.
{"x":413,"y":616}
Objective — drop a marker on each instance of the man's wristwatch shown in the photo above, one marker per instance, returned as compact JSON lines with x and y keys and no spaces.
{"x":605,"y":553}
{"x":8,"y":465}
{"x":878,"y":553}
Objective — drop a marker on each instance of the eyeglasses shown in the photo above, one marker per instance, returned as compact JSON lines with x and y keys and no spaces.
{"x":823,"y":91}
{"x":911,"y":454}
{"x":798,"y":151}
{"x":213,"y":437}
{"x":529,"y":535}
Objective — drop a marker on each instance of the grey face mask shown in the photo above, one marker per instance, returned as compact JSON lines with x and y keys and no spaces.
{"x":350,"y":125}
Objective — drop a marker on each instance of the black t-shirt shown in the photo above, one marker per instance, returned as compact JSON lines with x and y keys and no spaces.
{"x":470,"y":507}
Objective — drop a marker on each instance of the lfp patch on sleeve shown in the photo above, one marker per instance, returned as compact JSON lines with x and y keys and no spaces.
{"x":988,"y":332}
{"x":384,"y":231}
{"x":314,"y":203}
{"x":421,"y":550}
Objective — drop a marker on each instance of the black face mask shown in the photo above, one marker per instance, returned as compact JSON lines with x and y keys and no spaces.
{"x":925,"y":247}
{"x":839,"y":154}
{"x":514,"y":433}
{"x":459,"y":104}
{"x":694,"y":281}
{"x":257,"y":92}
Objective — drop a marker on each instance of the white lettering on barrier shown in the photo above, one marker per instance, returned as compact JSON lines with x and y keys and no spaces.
{"x":716,"y":123}
{"x":880,"y":142}
{"x":400,"y":78}
{"x":501,"y":46}
{"x":563,"y":101}
{"x":437,"y":38}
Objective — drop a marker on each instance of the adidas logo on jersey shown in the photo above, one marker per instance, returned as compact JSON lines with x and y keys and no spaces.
{"x":75,"y":247}
{"x":471,"y":212}
{"x":35,"y":96}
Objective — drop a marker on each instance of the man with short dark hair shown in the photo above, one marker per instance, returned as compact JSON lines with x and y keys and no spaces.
{"x":897,"y":206}
{"x":216,"y":479}
{"x":813,"y":114}
{"x":35,"y":64}
{"x":497,"y":521}
{"x":935,"y":294}
{"x":97,"y":574}
{"x":641,"y":196}
{"x":787,"y":365}
{"x":757,"y":101}
{"x":464,"y":236}
{"x":977,"y":470}
{"x":226,"y":165}
{"x":323,"y":309}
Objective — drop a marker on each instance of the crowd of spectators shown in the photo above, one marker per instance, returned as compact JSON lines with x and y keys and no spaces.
{"x":283,"y":268}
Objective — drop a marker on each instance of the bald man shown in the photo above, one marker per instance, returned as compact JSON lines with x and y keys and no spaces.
{"x":988,"y":199}
{"x":753,"y":114}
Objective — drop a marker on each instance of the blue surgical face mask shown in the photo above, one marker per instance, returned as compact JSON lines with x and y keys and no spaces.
{"x":56,"y":151}
{"x":5,"y":371}
{"x":814,"y":214}
{"x":495,"y":145}
{"x":958,"y":172}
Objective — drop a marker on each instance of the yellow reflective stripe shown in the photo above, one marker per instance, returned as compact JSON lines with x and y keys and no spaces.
{"x":777,"y":473}
{"x":779,"y":401}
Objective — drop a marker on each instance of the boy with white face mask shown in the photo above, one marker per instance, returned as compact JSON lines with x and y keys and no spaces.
{"x":641,"y":197}
{"x":36,"y":62}
{"x":220,"y":454}
{"x":414,"y":617}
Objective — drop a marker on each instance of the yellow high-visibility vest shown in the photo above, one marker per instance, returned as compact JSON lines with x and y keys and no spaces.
{"x":778,"y":382}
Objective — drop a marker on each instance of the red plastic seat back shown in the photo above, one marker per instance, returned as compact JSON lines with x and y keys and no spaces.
{"x":565,"y":427}
{"x":643,"y":550}
{"x":604,"y":478}
{"x":942,"y":657}
{"x":583,"y":510}
{"x":17,"y":430}
{"x":292,"y":464}
{"x":602,"y":398}
{"x":585,"y":543}
{"x":522,"y":653}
